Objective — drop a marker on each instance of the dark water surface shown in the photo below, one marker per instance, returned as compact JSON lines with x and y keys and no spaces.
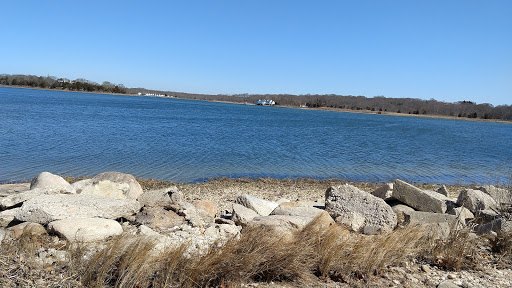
{"x":185,"y":141}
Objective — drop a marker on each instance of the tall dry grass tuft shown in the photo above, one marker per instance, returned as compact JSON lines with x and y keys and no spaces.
{"x":456,"y":251}
{"x":340,"y":255}
{"x":258,"y":255}
{"x":125,"y":262}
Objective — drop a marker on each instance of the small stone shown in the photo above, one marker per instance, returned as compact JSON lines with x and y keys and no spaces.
{"x":451,"y":276}
{"x":425,"y":268}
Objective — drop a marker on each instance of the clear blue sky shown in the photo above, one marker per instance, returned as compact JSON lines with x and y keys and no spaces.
{"x":447,"y":50}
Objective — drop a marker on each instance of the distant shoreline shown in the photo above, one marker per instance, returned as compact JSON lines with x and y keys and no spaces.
{"x":431,"y":116}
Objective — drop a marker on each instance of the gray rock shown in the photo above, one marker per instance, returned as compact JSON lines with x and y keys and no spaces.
{"x":6,"y":217}
{"x":16,"y":199}
{"x":9,"y":189}
{"x":500,"y":195}
{"x":443,"y":190}
{"x":305,"y":211}
{"x":242,"y":215}
{"x":399,"y":210}
{"x":107,"y":188}
{"x":499,"y":226}
{"x":260,"y":206}
{"x":156,"y":217}
{"x":134,"y":191}
{"x":196,"y":217}
{"x":486,"y":216}
{"x":422,"y":200}
{"x":48,"y":208}
{"x":79,"y":185}
{"x":49,"y":180}
{"x":353,"y":221}
{"x":85,"y":229}
{"x":476,"y":200}
{"x":447,"y":284}
{"x":462,"y":212}
{"x":161,"y":197}
{"x":24,"y":229}
{"x":384,"y":192}
{"x":418,"y":217}
{"x":349,"y":199}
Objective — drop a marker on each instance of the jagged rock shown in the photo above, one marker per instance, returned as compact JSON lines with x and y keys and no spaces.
{"x":208,"y":206}
{"x":499,"y":226}
{"x":349,"y":199}
{"x":461,"y":212}
{"x":9,"y":189}
{"x":114,"y":184}
{"x":221,"y":220}
{"x":242,"y":215}
{"x":158,"y":218}
{"x":353,"y":221}
{"x":16,"y":199}
{"x":6,"y":217}
{"x":260,"y":206}
{"x":304,"y":211}
{"x":161,"y":197}
{"x":486,"y":216}
{"x":27,"y":228}
{"x":384,"y":192}
{"x":196,"y":217}
{"x":500,"y":195}
{"x":51,"y":181}
{"x":79,"y":185}
{"x":85,"y":229}
{"x":476,"y":200}
{"x":399,"y":210}
{"x":443,"y":190}
{"x":422,"y":200}
{"x":48,"y":208}
{"x":418,"y":217}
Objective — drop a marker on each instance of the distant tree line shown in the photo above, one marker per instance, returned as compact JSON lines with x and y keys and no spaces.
{"x":378,"y":104}
{"x":51,"y":82}
{"x":462,"y":109}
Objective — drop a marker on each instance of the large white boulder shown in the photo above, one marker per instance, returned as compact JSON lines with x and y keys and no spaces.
{"x":260,"y":206}
{"x":48,"y":208}
{"x":16,"y":199}
{"x":113,"y":185}
{"x":85,"y":229}
{"x":51,"y":181}
{"x":344,"y":201}
{"x":422,"y":200}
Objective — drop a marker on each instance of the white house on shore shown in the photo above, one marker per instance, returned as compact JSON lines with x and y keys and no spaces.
{"x":265,"y":102}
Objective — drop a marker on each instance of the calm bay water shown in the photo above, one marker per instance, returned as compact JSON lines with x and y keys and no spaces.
{"x":186,"y":141}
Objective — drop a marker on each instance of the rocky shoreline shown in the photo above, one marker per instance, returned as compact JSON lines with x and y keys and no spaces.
{"x":56,"y":233}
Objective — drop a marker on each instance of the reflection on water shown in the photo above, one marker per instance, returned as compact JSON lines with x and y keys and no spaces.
{"x":185,"y":141}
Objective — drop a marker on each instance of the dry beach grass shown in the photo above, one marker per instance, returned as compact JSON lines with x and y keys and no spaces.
{"x":329,"y":258}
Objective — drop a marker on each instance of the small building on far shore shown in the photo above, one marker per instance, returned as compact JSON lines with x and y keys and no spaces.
{"x":265,"y":102}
